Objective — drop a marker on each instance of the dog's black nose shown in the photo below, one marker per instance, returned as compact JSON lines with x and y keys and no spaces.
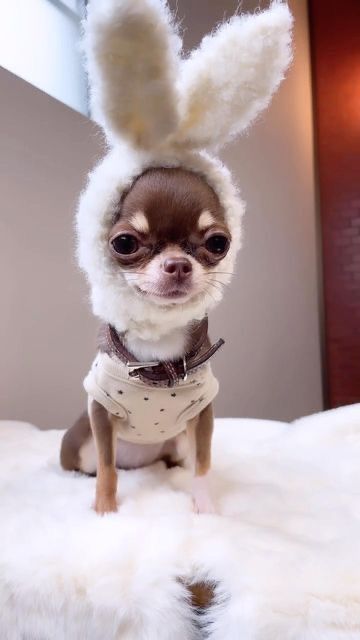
{"x":178,"y":268}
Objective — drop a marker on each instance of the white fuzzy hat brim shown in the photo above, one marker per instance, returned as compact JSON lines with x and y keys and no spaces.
{"x":112,"y":301}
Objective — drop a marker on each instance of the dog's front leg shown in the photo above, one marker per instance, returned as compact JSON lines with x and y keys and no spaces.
{"x":106,"y":476}
{"x":200,"y":435}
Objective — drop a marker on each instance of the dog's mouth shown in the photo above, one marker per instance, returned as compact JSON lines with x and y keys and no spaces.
{"x":171,"y":295}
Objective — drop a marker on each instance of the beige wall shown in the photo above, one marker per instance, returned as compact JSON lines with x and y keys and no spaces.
{"x":270,"y":366}
{"x":46,"y":331}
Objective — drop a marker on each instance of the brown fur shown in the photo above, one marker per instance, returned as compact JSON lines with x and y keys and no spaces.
{"x":172,"y":201}
{"x":72,"y":442}
{"x":202,"y":594}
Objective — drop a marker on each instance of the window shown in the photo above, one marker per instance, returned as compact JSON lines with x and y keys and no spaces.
{"x":39,"y":41}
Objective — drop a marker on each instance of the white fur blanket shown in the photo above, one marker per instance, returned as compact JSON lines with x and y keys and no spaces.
{"x":284,"y":553}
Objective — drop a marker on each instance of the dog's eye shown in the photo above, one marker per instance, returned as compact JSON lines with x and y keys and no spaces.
{"x":125,"y":243}
{"x":217,"y":244}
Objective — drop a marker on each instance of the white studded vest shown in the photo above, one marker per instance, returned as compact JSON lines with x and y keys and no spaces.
{"x":148,"y":414}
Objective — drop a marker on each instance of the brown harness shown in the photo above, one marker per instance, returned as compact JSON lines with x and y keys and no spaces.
{"x":165,"y":373}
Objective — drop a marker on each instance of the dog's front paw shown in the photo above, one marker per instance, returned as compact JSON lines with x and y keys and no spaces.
{"x":202,"y":502}
{"x":203,"y":506}
{"x":105,"y":504}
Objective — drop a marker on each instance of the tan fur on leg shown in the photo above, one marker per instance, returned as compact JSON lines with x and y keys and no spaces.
{"x":203,"y":436}
{"x":106,"y":479}
{"x":200,"y":432}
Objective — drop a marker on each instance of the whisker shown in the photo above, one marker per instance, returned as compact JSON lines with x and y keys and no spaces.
{"x":216,"y":280}
{"x":222,"y":284}
{"x":213,"y":284}
{"x":225,"y":273}
{"x":220,"y":291}
{"x":131,"y":272}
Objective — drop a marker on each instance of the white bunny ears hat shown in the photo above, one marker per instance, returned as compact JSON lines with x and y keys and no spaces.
{"x":160,"y":109}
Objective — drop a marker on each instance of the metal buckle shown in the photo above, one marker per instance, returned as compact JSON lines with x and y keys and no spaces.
{"x":185,"y":374}
{"x":134,"y":367}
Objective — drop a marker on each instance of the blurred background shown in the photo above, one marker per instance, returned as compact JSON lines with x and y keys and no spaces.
{"x":291,"y":317}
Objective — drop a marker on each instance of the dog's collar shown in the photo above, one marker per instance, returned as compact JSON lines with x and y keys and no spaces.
{"x":167,"y":373}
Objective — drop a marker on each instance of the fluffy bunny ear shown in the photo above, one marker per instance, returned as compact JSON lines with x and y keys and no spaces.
{"x":231,"y":77}
{"x":131,"y":48}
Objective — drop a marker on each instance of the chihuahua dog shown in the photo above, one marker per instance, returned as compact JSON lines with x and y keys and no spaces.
{"x":168,"y":239}
{"x":159,"y":228}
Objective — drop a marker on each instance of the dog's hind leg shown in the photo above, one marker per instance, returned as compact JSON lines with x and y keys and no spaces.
{"x":77,"y":448}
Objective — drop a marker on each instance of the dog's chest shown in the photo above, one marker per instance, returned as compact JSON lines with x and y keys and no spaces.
{"x":147,"y":414}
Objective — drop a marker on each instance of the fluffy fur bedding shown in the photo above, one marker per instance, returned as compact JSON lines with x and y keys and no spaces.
{"x":284,"y":555}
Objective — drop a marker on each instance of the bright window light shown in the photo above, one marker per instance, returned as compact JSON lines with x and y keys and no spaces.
{"x":39,"y":41}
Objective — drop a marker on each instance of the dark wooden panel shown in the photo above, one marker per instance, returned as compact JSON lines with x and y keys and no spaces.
{"x":335,"y":34}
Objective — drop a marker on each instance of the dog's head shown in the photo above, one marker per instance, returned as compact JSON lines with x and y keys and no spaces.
{"x":165,"y":245}
{"x":159,"y":222}
{"x":170,"y":237}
